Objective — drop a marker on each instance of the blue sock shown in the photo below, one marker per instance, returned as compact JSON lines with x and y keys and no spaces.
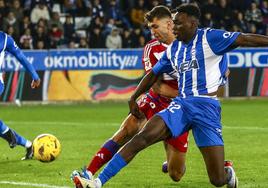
{"x":3,"y":128}
{"x":112,"y":146}
{"x":20,"y":140}
{"x":112,"y":168}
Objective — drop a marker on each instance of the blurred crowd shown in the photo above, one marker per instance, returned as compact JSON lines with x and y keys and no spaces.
{"x":50,"y":24}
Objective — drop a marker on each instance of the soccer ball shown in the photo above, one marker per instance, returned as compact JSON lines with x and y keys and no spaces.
{"x":46,"y":148}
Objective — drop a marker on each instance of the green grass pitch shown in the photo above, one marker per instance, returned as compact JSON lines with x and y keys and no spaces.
{"x":82,"y":128}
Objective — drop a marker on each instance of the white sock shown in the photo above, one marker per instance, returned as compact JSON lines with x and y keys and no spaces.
{"x":98,"y":183}
{"x":28,"y":144}
{"x":5,"y":130}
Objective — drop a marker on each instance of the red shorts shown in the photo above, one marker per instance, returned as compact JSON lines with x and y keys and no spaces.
{"x":152,"y":103}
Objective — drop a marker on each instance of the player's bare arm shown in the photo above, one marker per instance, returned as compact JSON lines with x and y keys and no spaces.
{"x":251,"y":40}
{"x":164,"y":89}
{"x":146,"y":83}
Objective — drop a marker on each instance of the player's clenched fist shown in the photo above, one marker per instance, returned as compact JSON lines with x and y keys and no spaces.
{"x":35,"y":83}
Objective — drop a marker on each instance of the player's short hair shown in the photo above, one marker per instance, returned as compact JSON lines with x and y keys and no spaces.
{"x":190,"y":9}
{"x":157,"y":12}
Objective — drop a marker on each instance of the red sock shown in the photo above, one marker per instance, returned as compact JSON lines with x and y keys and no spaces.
{"x":101,"y":157}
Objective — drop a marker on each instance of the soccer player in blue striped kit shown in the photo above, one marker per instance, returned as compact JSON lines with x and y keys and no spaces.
{"x":199,"y":57}
{"x":8,"y":44}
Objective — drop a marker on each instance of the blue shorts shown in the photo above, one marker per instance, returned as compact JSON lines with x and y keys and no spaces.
{"x":201,"y":114}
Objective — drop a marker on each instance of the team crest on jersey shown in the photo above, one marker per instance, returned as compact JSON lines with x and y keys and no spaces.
{"x":15,"y":45}
{"x":189,"y":65}
{"x":147,"y":64}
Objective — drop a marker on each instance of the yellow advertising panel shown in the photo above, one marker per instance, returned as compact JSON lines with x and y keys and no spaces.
{"x":93,"y":85}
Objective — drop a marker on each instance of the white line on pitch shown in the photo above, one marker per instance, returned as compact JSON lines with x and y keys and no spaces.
{"x":31,"y":184}
{"x":246,"y":128}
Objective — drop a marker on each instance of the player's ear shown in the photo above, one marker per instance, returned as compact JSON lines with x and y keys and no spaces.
{"x":170,"y":24}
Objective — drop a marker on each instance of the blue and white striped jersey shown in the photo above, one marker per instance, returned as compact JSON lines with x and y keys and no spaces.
{"x":8,"y":44}
{"x":201,"y":64}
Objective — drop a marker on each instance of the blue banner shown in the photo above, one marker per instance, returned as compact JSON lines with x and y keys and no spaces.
{"x":118,"y":59}
{"x":248,"y":58}
{"x":78,"y":60}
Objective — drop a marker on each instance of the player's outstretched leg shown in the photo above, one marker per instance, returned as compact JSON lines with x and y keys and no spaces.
{"x":130,"y":126}
{"x":25,"y":143}
{"x":14,"y":139}
{"x":154,"y":131}
{"x":7,"y":134}
{"x":176,"y":159}
{"x":220,"y":173}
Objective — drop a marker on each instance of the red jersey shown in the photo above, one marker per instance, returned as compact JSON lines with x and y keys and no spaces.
{"x":152,"y":52}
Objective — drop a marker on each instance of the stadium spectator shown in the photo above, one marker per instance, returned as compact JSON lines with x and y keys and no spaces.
{"x":25,"y":24}
{"x":72,"y":44}
{"x":137,"y":33}
{"x":12,"y":33}
{"x":69,"y":30}
{"x":141,"y":42}
{"x":83,"y":43}
{"x":127,"y":39}
{"x":209,"y":7}
{"x":3,"y":12}
{"x":42,"y":23}
{"x":17,"y":9}
{"x":97,"y":9}
{"x":108,"y":27}
{"x":253,"y":16}
{"x":264,"y":11}
{"x":223,"y":14}
{"x":40,"y":35}
{"x":39,"y":11}
{"x":11,"y":20}
{"x":114,"y":12}
{"x":240,"y":5}
{"x":154,"y":3}
{"x":97,"y":22}
{"x":114,"y":40}
{"x":137,"y":14}
{"x":40,"y":45}
{"x":55,"y":36}
{"x":76,"y":7}
{"x":26,"y":44}
{"x":55,"y":20}
{"x":208,"y":21}
{"x":26,"y":40}
{"x":48,"y":3}
{"x":96,"y":38}
{"x":240,"y":22}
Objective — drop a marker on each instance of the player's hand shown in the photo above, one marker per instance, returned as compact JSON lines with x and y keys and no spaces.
{"x":35,"y":83}
{"x":134,"y":109}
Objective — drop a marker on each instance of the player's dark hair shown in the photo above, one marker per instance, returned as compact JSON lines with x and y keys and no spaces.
{"x":190,"y":9}
{"x":158,"y":12}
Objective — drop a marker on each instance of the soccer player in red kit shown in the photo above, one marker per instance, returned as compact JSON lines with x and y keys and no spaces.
{"x":158,"y":98}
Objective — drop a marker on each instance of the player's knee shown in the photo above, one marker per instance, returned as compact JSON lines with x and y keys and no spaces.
{"x":217,"y":182}
{"x":176,"y":175}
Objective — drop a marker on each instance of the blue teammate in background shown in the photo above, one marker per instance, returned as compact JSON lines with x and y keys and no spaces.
{"x":8,"y":44}
{"x":199,"y":57}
